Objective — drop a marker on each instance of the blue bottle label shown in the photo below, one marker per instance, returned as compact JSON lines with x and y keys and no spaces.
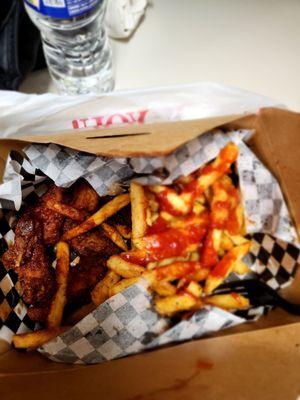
{"x":62,"y":8}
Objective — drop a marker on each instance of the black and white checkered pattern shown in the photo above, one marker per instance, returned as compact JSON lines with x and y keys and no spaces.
{"x":265,"y":207}
{"x":202,"y":323}
{"x":127,"y":323}
{"x":20,"y":179}
{"x":65,"y":166}
{"x":275,"y":261}
{"x":122,"y":325}
{"x":186,"y":159}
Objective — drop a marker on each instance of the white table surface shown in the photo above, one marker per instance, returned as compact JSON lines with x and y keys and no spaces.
{"x":253,"y":45}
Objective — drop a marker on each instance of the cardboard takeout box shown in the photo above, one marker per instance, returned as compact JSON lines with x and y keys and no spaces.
{"x":256,"y":360}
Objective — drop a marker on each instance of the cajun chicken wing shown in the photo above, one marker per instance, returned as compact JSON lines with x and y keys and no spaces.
{"x":83,"y":277}
{"x":92,"y":243}
{"x":52,"y":221}
{"x":93,"y":249}
{"x":39,"y":312}
{"x":28,"y":258}
{"x":84,"y":197}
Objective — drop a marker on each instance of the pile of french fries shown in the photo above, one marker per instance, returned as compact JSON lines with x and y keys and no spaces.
{"x":185,"y":241}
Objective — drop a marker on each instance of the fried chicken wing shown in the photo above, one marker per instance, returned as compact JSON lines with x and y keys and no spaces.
{"x":52,"y":210}
{"x":27,"y":256}
{"x":27,"y":233}
{"x":52,"y":224}
{"x":55,"y":200}
{"x":37,"y":277}
{"x":92,"y":243}
{"x":51,"y":220}
{"x":84,"y":197}
{"x":41,"y":227}
{"x":83,"y":277}
{"x":93,"y":249}
{"x":39,"y":312}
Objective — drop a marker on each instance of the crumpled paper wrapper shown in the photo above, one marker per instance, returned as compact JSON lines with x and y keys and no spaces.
{"x":123,"y":17}
{"x":127,"y":323}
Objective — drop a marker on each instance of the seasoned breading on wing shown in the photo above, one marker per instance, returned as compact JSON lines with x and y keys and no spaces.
{"x":52,"y":220}
{"x":84,"y":197}
{"x":55,"y":200}
{"x":92,"y":243}
{"x":31,"y":263}
{"x":39,"y":312}
{"x":28,"y":232}
{"x":52,"y":224}
{"x":53,"y":207}
{"x":37,"y":277}
{"x":93,"y":249}
{"x":83,"y":277}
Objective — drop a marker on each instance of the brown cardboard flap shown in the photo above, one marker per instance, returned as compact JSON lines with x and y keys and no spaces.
{"x":133,"y":140}
{"x":277,"y":143}
{"x":253,"y":365}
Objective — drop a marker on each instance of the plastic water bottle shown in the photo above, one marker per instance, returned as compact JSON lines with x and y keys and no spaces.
{"x":75,"y":44}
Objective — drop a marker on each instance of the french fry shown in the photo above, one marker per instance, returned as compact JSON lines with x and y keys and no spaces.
{"x":241,"y":268}
{"x":208,"y":194}
{"x":218,"y":168}
{"x":139,"y":205}
{"x":66,"y":210}
{"x":220,"y":205}
{"x":167,"y":216}
{"x":188,"y":270}
{"x":171,"y":305}
{"x":124,"y":268}
{"x":114,"y":236}
{"x":232,"y":301}
{"x":85,"y":197}
{"x":32,"y":340}
{"x":124,"y":231}
{"x":193,"y":256}
{"x":225,"y":266}
{"x":209,"y":254}
{"x":62,"y":272}
{"x":198,"y":276}
{"x":122,"y":285}
{"x":194,"y":288}
{"x":184,"y":180}
{"x":100,"y":293}
{"x":167,"y":261}
{"x":226,"y":243}
{"x":237,"y":240}
{"x":175,"y":241}
{"x":99,"y":217}
{"x":198,"y":208}
{"x":216,"y":239}
{"x":164,"y":288}
{"x":79,"y":314}
{"x":152,"y":203}
{"x":179,"y":203}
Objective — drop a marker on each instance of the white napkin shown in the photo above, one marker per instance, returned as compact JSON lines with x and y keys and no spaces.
{"x":123,"y":17}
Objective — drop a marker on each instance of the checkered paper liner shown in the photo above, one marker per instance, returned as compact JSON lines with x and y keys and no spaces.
{"x":127,"y":323}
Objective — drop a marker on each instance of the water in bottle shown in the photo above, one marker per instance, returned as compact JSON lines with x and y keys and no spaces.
{"x":75,"y":44}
